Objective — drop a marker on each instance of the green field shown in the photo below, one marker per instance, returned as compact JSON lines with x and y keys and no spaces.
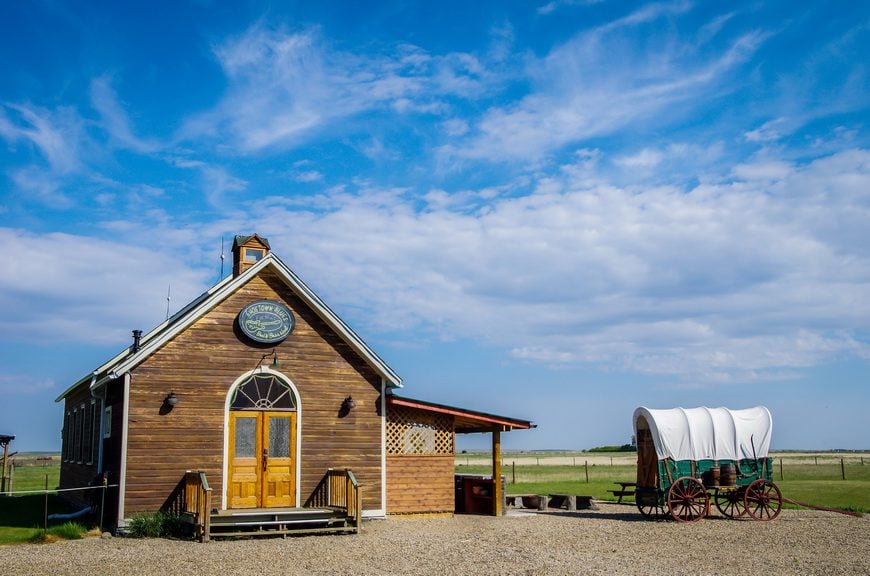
{"x":23,"y":516}
{"x":812,"y":478}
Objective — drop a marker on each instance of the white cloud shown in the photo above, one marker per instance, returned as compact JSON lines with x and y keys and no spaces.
{"x":731,"y":281}
{"x":286,"y":88}
{"x":62,"y":287}
{"x":646,"y":158}
{"x":769,"y":131}
{"x":740,"y":280}
{"x":307,"y":176}
{"x":114,"y":118}
{"x":602,"y":81}
{"x":57,"y":134}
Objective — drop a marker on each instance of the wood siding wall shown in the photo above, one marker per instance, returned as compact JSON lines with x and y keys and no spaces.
{"x":420,"y":484}
{"x":201,"y":364}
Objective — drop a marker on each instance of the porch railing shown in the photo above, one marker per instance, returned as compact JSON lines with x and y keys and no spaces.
{"x":192,"y":498}
{"x":339,"y":490}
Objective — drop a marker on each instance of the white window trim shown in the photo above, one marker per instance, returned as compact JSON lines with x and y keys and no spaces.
{"x":107,"y":421}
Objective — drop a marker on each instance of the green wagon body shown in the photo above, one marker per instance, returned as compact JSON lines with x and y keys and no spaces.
{"x":748,"y":471}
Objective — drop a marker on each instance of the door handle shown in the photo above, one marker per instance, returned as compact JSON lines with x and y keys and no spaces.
{"x":265,"y":458}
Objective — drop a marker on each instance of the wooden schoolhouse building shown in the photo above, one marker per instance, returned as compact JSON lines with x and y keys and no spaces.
{"x":257,"y":400}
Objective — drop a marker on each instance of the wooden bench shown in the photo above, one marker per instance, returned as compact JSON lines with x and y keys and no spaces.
{"x":529,"y":501}
{"x":544,"y":502}
{"x":627,"y":489}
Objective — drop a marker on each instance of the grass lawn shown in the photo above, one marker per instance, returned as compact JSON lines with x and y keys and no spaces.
{"x":23,"y":516}
{"x":802,"y":479}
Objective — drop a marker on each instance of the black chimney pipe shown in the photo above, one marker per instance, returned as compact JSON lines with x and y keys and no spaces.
{"x":137,"y":338}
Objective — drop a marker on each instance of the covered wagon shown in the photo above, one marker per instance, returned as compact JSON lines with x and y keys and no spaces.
{"x":686,"y":456}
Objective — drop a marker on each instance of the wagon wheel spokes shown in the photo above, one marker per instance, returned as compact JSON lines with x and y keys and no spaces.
{"x":763,"y":500}
{"x":649,"y":502}
{"x":687,"y":500}
{"x":730,"y":503}
{"x":653,"y":511}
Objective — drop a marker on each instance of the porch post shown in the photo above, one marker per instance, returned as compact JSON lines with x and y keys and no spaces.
{"x":497,"y":495}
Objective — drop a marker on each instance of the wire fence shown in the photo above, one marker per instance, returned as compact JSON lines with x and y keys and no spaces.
{"x":97,"y":497}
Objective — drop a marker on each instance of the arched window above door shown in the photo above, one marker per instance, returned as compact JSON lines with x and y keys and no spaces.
{"x":263,"y":392}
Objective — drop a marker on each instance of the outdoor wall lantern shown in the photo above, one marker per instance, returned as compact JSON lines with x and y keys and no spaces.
{"x":274,"y":355}
{"x":171,"y":400}
{"x":346,"y":406}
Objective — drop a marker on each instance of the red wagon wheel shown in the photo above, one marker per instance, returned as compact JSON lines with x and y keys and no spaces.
{"x":763,"y":500}
{"x":730,"y":503}
{"x":649,"y":503}
{"x":687,"y":500}
{"x":651,"y":510}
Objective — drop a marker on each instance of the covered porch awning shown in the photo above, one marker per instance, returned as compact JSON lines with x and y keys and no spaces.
{"x":465,"y":421}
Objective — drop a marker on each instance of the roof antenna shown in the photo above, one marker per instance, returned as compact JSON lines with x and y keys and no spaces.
{"x":168,"y":300}
{"x":222,"y":259}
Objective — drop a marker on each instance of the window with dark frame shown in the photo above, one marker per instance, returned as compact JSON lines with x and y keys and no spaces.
{"x":88,"y":431}
{"x":66,"y":448}
{"x":80,"y":433}
{"x":107,"y":422}
{"x":253,"y":254}
{"x":74,"y":421}
{"x":95,"y":432}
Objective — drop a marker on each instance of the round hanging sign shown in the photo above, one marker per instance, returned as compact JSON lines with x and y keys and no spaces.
{"x":266,"y":321}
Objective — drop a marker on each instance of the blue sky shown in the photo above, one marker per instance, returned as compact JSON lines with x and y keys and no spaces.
{"x":557,"y":211}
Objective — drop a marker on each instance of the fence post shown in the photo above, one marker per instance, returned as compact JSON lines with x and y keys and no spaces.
{"x":103,"y":501}
{"x":45,"y":516}
{"x":843,"y":468}
{"x":514,"y":472}
{"x":587,"y":471}
{"x":780,"y":470}
{"x":817,"y":460}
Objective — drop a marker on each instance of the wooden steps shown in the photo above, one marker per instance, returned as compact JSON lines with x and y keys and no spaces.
{"x":278,"y":522}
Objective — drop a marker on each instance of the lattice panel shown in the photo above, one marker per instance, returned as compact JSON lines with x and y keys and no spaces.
{"x":411,"y":431}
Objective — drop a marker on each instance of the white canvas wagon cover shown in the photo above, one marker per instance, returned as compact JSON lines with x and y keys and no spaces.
{"x":707,"y":433}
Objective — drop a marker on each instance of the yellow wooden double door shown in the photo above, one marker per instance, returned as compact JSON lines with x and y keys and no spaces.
{"x":262,"y":459}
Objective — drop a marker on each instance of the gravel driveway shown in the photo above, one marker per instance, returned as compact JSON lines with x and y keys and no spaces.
{"x":613,"y":540}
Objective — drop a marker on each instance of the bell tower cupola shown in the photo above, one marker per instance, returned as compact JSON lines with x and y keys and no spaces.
{"x":247,"y":251}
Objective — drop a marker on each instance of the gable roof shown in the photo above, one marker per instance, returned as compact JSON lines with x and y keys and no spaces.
{"x":128,"y":359}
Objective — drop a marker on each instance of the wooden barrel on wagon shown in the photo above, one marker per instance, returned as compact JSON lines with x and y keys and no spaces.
{"x":727,"y":475}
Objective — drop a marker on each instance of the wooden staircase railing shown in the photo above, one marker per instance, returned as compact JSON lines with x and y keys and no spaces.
{"x":339,"y":490}
{"x":192,"y":498}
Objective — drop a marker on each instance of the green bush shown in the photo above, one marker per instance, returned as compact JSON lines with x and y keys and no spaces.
{"x":66,"y":531}
{"x":155,"y":525}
